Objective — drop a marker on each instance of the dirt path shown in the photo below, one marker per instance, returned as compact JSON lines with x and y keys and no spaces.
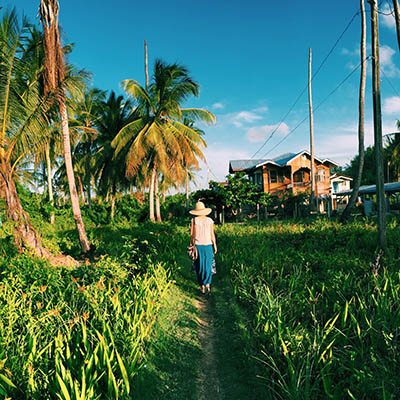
{"x":208,"y":385}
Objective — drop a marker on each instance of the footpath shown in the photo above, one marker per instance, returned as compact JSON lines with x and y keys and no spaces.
{"x":201,"y":346}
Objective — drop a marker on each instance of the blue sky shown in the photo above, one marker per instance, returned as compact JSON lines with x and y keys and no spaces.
{"x":251,"y":61}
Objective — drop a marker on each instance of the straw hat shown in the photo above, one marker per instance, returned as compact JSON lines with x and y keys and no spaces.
{"x":200,"y":209}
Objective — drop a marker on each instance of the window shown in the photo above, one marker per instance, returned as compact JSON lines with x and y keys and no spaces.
{"x":299,"y":176}
{"x":276,"y":176}
{"x":320,"y":175}
{"x":258,"y":179}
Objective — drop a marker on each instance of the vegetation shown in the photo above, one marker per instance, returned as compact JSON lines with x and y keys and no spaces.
{"x":324,"y":314}
{"x":300,"y":309}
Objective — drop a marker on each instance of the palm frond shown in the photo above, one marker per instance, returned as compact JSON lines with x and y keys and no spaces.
{"x":195,"y":114}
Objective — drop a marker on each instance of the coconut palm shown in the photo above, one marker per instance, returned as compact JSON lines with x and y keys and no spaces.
{"x":85,"y":106}
{"x":54,"y":77}
{"x":361,"y":113}
{"x":113,"y":115}
{"x":22,"y":121}
{"x":159,"y":136}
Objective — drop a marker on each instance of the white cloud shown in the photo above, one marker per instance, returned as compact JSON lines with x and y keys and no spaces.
{"x":260,"y":133}
{"x":387,"y":17}
{"x":247,"y":116}
{"x":217,"y":106}
{"x":391,"y":105}
{"x":261,"y":109}
{"x":385,"y":57}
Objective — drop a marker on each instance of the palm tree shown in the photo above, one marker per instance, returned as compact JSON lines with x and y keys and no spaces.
{"x":361,"y":112}
{"x":159,"y":136}
{"x":113,"y":115}
{"x":54,"y":77}
{"x":397,"y":18}
{"x":85,"y":107}
{"x":23,"y":122}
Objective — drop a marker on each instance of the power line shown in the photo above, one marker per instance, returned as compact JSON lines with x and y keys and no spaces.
{"x":320,"y":104}
{"x":305,"y":88}
{"x":390,"y":83}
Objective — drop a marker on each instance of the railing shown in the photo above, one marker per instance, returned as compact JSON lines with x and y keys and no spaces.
{"x":301,"y":184}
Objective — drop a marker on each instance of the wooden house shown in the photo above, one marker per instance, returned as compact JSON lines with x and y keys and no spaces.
{"x":287,"y":172}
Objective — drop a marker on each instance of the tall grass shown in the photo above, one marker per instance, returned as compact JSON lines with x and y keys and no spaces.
{"x":326,"y":315}
{"x":79,"y":333}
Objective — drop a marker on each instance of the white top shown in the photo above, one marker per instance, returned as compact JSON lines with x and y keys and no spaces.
{"x":202,"y":230}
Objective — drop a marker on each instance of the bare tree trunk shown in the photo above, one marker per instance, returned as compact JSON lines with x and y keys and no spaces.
{"x":187,"y":189}
{"x":151,"y":194}
{"x":376,"y":90}
{"x":361,"y":112}
{"x":81,"y":189}
{"x":311,"y":134}
{"x":157,"y":197}
{"x":49,"y":183}
{"x":112,"y":206}
{"x":85,"y":245}
{"x":89,"y":192}
{"x":146,"y":64}
{"x":88,"y":179}
{"x":24,"y":233}
{"x":397,"y":18}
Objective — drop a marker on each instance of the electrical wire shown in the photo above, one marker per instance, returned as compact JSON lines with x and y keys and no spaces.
{"x":305,"y":88}
{"x":320,"y":104}
{"x":388,"y":81}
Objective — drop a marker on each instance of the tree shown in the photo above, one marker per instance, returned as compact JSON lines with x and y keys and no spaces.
{"x":158,"y":137}
{"x":397,"y":18}
{"x":23,"y":122}
{"x":380,"y":191}
{"x":361,"y":112}
{"x":86,"y":107}
{"x":54,"y":77}
{"x":113,"y":115}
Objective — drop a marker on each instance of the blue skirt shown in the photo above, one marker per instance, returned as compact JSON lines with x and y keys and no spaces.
{"x":204,"y":264}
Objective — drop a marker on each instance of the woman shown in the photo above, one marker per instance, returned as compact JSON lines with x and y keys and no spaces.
{"x":203,"y":237}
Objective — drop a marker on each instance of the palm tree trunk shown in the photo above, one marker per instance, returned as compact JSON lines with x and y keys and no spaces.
{"x":361,"y":108}
{"x":81,"y":189}
{"x":151,"y":194}
{"x":49,"y":182}
{"x":397,"y":18}
{"x":376,"y":92}
{"x":89,"y":193}
{"x":88,"y":179}
{"x":24,"y":233}
{"x":85,"y":245}
{"x":187,"y":189}
{"x":112,"y":206}
{"x":156,"y":195}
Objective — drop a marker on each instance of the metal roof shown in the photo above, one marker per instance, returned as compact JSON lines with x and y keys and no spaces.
{"x":281,"y":161}
{"x":391,"y":187}
{"x":240,"y":165}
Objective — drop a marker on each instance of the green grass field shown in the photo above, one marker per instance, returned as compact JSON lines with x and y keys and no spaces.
{"x":300,"y":311}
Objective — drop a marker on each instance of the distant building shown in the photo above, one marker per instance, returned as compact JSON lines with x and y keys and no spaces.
{"x":291,"y":171}
{"x":339,"y":183}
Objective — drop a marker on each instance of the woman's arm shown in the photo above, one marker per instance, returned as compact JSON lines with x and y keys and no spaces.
{"x":192,"y":233}
{"x":213,"y":240}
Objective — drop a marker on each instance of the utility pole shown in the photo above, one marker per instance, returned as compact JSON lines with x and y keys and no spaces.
{"x":376,"y":94}
{"x":312,"y":172}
